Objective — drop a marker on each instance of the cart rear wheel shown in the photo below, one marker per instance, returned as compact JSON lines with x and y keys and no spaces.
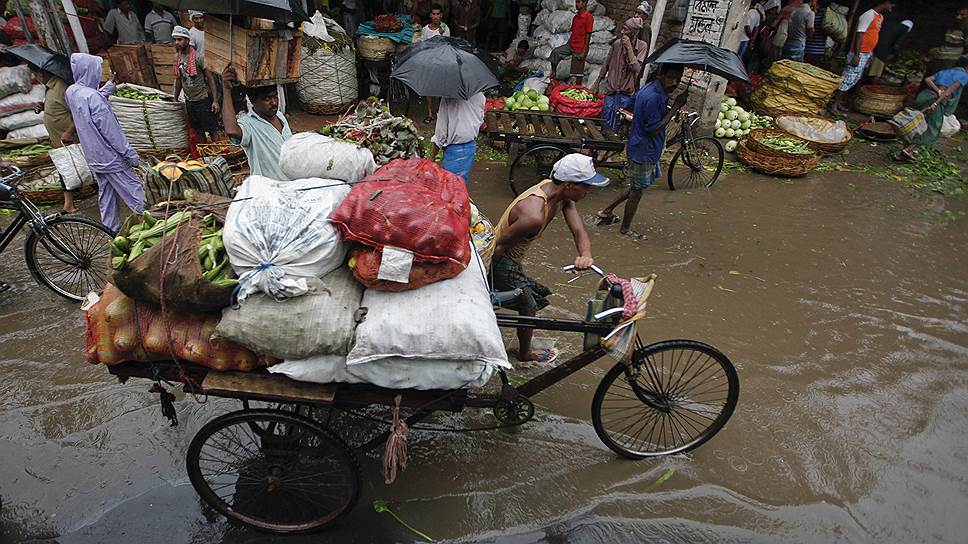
{"x":274,"y":471}
{"x":696,"y":164}
{"x":533,"y":166}
{"x":673,"y":396}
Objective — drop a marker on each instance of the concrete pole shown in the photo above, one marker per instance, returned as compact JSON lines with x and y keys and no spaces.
{"x":76,"y":27}
{"x":732,"y":32}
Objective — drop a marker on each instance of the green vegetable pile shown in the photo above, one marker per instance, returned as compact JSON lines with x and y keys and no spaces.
{"x":372,"y":126}
{"x":579,"y":94}
{"x":25,"y":152}
{"x":135,"y":94}
{"x":130,"y":244}
{"x":527,"y":100}
{"x":786,"y":144}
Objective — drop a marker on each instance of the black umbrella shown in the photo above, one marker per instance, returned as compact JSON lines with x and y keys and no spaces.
{"x":281,"y":11}
{"x":49,"y":61}
{"x":701,"y":56}
{"x":445,"y":66}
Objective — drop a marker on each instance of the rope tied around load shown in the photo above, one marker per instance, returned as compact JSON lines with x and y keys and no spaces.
{"x":396,"y":450}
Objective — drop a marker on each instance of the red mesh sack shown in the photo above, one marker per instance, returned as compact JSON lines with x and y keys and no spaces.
{"x":412,"y":204}
{"x":365,"y":264}
{"x":580,"y":108}
{"x":15,"y":30}
{"x":120,"y":329}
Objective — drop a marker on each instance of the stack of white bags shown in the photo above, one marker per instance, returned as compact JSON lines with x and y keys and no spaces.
{"x":17,"y":100}
{"x":553,"y":28}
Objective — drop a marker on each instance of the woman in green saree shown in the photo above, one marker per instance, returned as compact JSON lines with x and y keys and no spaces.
{"x":939,"y":97}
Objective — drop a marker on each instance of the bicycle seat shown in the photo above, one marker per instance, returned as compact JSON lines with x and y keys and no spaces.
{"x":6,"y":192}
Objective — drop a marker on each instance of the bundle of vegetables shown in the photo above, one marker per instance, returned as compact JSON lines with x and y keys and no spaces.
{"x":527,"y":100}
{"x":387,"y":24}
{"x":786,"y":144}
{"x":120,"y":330}
{"x":179,"y":260}
{"x":577,"y":100}
{"x":579,"y":94}
{"x":373,"y":127}
{"x":24,"y":152}
{"x":135,"y":94}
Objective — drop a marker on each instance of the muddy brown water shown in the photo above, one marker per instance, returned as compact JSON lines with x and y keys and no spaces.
{"x":841,"y":301}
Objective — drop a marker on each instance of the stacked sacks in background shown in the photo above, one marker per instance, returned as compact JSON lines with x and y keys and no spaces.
{"x":17,"y":100}
{"x":553,"y":28}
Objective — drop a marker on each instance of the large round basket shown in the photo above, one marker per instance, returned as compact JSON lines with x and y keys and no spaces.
{"x":45,"y":197}
{"x":775,"y":166}
{"x":753,"y":142}
{"x":322,"y":109}
{"x":375,"y":48}
{"x":879,"y":100}
{"x":823,"y":147}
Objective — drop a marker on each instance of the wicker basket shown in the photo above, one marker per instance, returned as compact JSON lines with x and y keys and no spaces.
{"x":338,"y":109}
{"x":824,"y":147}
{"x":375,"y":48}
{"x":161,"y":152}
{"x":753,"y":143}
{"x":229,"y":151}
{"x":42,"y":159}
{"x":45,"y":197}
{"x":775,"y":166}
{"x":879,"y":100}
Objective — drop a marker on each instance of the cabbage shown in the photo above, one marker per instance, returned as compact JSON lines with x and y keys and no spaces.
{"x":731,"y":146}
{"x":745,"y":124}
{"x":543,"y":106}
{"x":719,"y":123}
{"x":532,"y":94}
{"x":730,"y":133}
{"x":722,"y":116}
{"x":535,"y":108}
{"x":508,"y":105}
{"x":723,"y":107}
{"x":542,"y":99}
{"x":743,"y":116}
{"x":735,"y":125}
{"x":720,"y":132}
{"x":731,"y":101}
{"x":731,"y":115}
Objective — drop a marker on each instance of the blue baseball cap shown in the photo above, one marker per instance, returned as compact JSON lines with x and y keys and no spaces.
{"x":578,"y":168}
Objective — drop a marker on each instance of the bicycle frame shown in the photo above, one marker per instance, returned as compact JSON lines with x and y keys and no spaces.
{"x":31,"y":215}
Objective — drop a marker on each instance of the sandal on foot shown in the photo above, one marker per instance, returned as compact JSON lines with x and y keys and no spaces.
{"x":609,"y":219}
{"x":903,"y":156}
{"x":546,"y":356}
{"x":634,"y":235}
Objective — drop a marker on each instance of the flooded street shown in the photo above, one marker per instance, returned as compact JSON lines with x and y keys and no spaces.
{"x":840,"y":298}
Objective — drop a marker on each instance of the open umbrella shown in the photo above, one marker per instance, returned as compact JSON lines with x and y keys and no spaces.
{"x":701,"y":56}
{"x":47,"y":60}
{"x":281,"y":11}
{"x":447,"y":67}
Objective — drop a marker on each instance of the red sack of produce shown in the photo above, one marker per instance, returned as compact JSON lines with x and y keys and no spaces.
{"x":562,"y":103}
{"x":365,"y":264}
{"x":14,"y":29}
{"x":411,"y":204}
{"x":492,"y":104}
{"x":120,"y":329}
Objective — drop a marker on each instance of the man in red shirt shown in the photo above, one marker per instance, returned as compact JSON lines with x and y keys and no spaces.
{"x":581,"y":33}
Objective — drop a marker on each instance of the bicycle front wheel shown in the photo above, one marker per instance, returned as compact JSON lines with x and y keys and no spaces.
{"x":671,"y":398}
{"x":698,"y":163}
{"x":71,"y":256}
{"x":533,"y":166}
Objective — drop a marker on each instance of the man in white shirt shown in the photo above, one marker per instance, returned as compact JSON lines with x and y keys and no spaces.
{"x":458,"y":122}
{"x":197,"y":32}
{"x":436,"y":27}
{"x":159,"y":24}
{"x":754,"y":17}
{"x":800,"y":28}
{"x":125,"y":22}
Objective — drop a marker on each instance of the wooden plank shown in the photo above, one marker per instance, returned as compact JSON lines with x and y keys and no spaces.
{"x":567,"y":130}
{"x":523,"y":127}
{"x":491,"y":120}
{"x":535,"y":121}
{"x":132,"y":64}
{"x":550,"y":127}
{"x":592,"y":127}
{"x":267,"y":386}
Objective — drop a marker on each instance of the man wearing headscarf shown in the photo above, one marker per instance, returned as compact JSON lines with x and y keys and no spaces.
{"x":201,"y":101}
{"x":108,"y":153}
{"x":621,"y":69}
{"x":197,"y":32}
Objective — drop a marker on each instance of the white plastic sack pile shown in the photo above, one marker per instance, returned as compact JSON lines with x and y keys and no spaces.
{"x":14,"y":79}
{"x":150,"y":124}
{"x":22,"y":101}
{"x":597,"y":53}
{"x":312,"y":155}
{"x":33,"y":131}
{"x":21,"y":119}
{"x":278,"y":235}
{"x":441,"y":336}
{"x":322,"y":322}
{"x":72,"y":166}
{"x":559,"y":21}
{"x":553,"y":29}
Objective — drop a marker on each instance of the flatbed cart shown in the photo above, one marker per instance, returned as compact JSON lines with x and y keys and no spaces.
{"x":285,"y":468}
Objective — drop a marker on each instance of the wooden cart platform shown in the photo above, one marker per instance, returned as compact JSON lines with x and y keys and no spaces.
{"x":532,"y":128}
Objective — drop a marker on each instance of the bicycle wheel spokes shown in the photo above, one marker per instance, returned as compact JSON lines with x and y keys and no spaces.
{"x":674,"y":396}
{"x":70,"y":255}
{"x":273,"y":470}
{"x":700,"y":163}
{"x":533,"y":166}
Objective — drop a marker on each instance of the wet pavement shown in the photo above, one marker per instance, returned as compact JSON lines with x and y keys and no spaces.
{"x":840,"y":298}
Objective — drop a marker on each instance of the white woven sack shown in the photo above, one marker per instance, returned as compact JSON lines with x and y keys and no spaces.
{"x":559,"y":21}
{"x":312,"y":155}
{"x":559,"y":39}
{"x":602,"y":36}
{"x":150,"y":124}
{"x":21,"y":119}
{"x":524,"y":24}
{"x":22,"y":101}
{"x":321,"y":322}
{"x":603,"y":23}
{"x":278,"y":236}
{"x":316,"y":369}
{"x":14,"y":79}
{"x":33,"y":131}
{"x":328,"y":78}
{"x":538,"y":64}
{"x":542,"y":17}
{"x":596,"y":53}
{"x":542,"y":52}
{"x":541,"y":32}
{"x":440,"y":336}
{"x":72,"y":166}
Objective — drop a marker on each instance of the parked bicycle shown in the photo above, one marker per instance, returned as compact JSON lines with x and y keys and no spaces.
{"x":69,"y":255}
